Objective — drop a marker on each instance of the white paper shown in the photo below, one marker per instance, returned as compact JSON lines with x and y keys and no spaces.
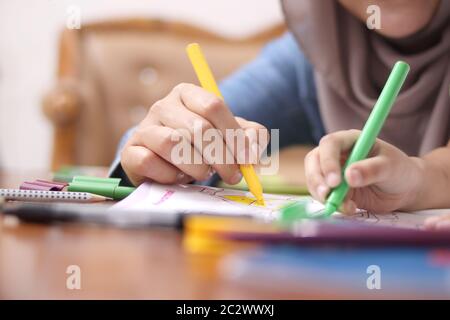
{"x":151,"y":197}
{"x":202,"y":199}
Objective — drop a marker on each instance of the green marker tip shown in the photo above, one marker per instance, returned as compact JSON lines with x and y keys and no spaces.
{"x":330,"y":208}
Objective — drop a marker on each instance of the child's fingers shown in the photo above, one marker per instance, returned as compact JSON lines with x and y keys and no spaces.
{"x":141,"y":163}
{"x":348,"y":207}
{"x":314,"y":177}
{"x":443,"y":225}
{"x":441,"y":222}
{"x":431,"y":223}
{"x":330,"y":149}
{"x":367,"y":172}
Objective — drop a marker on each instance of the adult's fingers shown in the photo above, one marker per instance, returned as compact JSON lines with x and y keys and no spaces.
{"x":141,"y":163}
{"x":258,"y":136}
{"x":207,"y":105}
{"x":171,"y":146}
{"x":213,"y":109}
{"x":202,"y":135}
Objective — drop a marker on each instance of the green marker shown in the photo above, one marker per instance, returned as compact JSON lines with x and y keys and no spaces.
{"x":370,"y":132}
{"x":108,"y":187}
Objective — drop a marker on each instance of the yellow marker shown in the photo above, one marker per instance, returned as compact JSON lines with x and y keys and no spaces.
{"x":243,"y":200}
{"x":215,"y":225}
{"x":207,"y":81}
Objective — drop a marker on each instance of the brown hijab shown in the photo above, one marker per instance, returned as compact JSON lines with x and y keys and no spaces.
{"x":352,"y":63}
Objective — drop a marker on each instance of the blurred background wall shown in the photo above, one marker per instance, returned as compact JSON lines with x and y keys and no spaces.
{"x":29,"y":32}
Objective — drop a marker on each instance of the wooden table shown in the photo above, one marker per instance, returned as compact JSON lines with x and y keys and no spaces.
{"x":115,"y":263}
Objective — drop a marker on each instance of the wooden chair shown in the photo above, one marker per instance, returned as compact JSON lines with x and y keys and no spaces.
{"x":110,"y":73}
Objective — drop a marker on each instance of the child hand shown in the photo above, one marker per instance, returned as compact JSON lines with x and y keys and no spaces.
{"x":441,"y":222}
{"x":148,"y":153}
{"x":386,"y":181}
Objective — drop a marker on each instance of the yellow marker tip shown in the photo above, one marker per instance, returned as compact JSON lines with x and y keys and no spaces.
{"x":261,"y":202}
